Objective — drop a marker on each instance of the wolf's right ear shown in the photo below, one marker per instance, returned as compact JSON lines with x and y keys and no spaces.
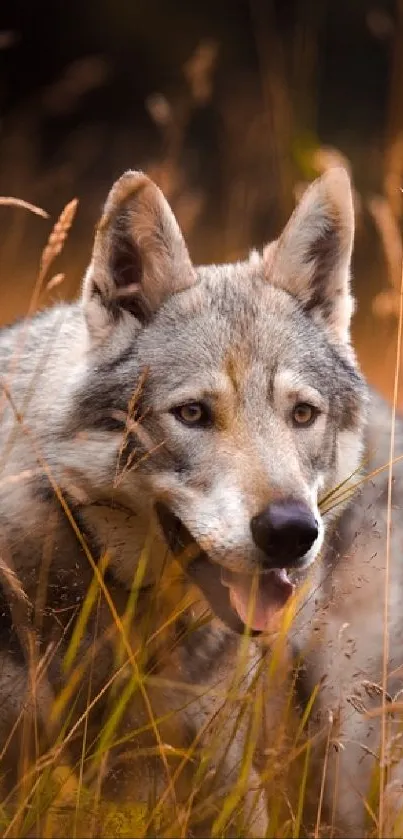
{"x":139,"y":257}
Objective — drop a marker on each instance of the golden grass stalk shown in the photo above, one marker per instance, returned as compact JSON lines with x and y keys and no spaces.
{"x":54,"y":281}
{"x":8,"y":201}
{"x":58,"y":236}
{"x":53,"y":248}
{"x":383,"y":751}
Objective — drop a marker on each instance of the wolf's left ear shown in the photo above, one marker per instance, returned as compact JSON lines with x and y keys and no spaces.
{"x":311,"y":259}
{"x":139,"y":257}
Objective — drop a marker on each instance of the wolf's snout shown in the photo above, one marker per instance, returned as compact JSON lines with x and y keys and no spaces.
{"x":284,"y":531}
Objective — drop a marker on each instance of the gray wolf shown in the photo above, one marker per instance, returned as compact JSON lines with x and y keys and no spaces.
{"x":191,"y":418}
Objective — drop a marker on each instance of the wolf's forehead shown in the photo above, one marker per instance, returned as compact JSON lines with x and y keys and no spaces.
{"x":244,"y":312}
{"x":229,"y":328}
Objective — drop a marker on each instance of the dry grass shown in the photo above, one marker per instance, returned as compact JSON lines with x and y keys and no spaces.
{"x":56,"y":795}
{"x":384,"y":823}
{"x":8,"y":201}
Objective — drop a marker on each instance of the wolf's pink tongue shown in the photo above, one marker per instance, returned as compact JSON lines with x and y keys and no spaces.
{"x":257,"y":603}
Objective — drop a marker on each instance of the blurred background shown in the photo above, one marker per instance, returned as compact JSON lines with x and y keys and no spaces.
{"x":232,"y":106}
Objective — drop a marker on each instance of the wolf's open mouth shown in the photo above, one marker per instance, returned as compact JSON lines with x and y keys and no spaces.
{"x":239,"y":600}
{"x":258,"y":600}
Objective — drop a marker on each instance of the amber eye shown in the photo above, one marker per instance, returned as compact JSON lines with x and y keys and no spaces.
{"x":304,"y":414}
{"x":194,"y":414}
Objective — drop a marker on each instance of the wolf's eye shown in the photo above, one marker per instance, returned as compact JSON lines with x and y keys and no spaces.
{"x":304,"y":414}
{"x":194,"y":414}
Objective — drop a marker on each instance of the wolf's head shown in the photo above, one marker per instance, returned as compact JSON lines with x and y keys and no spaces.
{"x":251,"y":405}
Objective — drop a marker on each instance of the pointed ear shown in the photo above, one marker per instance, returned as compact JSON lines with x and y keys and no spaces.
{"x":139,"y":257}
{"x":311,"y":259}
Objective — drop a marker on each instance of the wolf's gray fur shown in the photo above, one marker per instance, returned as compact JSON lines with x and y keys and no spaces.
{"x":91,"y":394}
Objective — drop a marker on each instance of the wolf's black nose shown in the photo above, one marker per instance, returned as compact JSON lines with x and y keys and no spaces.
{"x":284,"y":531}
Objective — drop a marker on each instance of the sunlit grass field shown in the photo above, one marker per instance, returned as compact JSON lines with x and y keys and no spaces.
{"x":62,"y":786}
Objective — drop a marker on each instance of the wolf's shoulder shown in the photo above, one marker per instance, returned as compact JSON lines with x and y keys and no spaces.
{"x":381,"y":421}
{"x":37,"y":327}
